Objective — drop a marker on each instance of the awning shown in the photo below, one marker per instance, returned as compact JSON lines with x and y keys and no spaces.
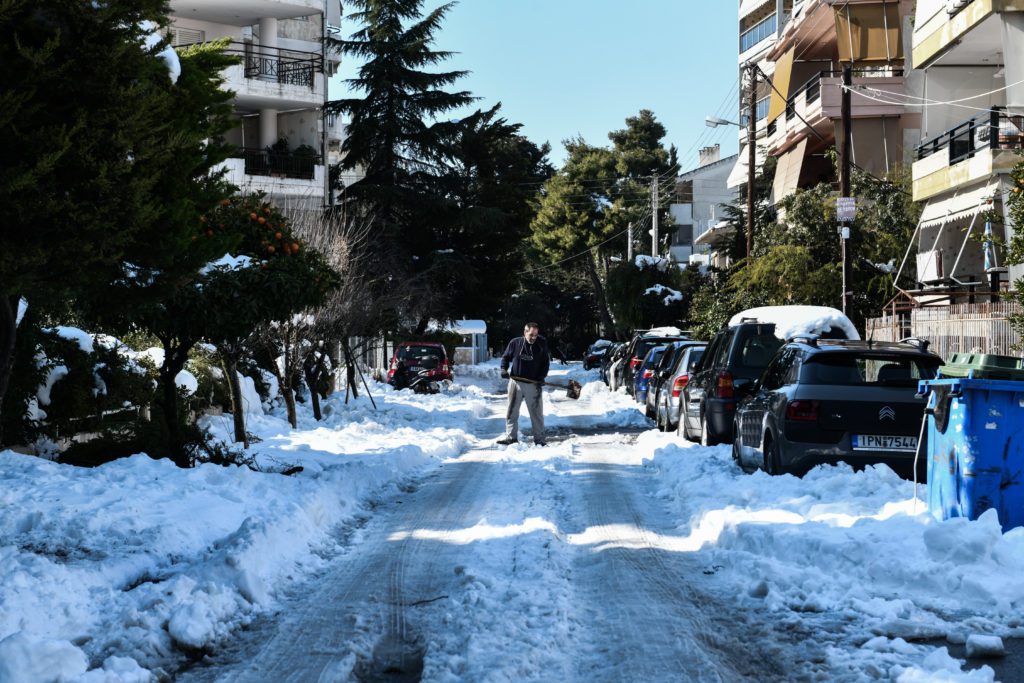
{"x":787,"y":173}
{"x":748,"y":6}
{"x":780,"y":81}
{"x":738,"y":175}
{"x":869,"y":32}
{"x":965,"y":204}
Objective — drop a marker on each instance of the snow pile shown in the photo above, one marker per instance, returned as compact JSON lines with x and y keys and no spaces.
{"x":667,"y":293}
{"x":22,"y":308}
{"x":140,"y":560}
{"x":642,"y":261}
{"x":225,"y":263}
{"x":847,"y":543}
{"x":168,"y":55}
{"x":666,"y":331}
{"x":793,"y":320}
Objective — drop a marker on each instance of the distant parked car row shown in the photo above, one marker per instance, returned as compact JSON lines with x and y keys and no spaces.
{"x":789,"y":387}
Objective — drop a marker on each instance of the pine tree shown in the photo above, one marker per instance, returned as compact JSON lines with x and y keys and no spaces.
{"x":82,"y":108}
{"x":394,"y":135}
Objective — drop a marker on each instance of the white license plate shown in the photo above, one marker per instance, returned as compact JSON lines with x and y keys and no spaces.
{"x":869,"y":442}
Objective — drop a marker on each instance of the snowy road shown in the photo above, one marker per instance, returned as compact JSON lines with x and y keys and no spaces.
{"x":514,"y":564}
{"x":410,"y":547}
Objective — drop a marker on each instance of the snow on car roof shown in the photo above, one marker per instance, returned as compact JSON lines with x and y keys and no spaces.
{"x":663,"y":332}
{"x":793,"y":320}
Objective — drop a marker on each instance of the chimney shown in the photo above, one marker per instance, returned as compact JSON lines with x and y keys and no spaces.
{"x":709,"y":155}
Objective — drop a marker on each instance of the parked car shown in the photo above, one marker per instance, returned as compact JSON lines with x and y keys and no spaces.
{"x":616,"y":365}
{"x":643,"y":342}
{"x":595,"y":353}
{"x":661,"y":372}
{"x":645,"y":372}
{"x":613,"y":355}
{"x":828,"y":401}
{"x":415,"y":356}
{"x":668,"y":401}
{"x":735,"y":358}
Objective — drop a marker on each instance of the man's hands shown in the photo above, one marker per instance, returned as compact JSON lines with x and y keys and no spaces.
{"x":504,"y":374}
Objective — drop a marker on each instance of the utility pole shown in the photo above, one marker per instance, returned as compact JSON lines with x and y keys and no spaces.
{"x":846,"y":163}
{"x":629,"y":243}
{"x":751,"y":157}
{"x":654,"y":216}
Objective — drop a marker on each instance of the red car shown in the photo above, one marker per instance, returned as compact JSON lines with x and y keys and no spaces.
{"x":413,"y":354}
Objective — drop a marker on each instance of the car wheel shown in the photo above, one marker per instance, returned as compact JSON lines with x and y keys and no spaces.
{"x":706,"y":438}
{"x":736,"y":450}
{"x":659,"y":417}
{"x":772,"y":458}
{"x":684,"y":426}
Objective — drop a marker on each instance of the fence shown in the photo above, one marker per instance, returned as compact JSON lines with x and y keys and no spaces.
{"x":958,"y":328}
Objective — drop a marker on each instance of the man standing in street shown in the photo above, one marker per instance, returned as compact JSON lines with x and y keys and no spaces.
{"x":526,"y":358}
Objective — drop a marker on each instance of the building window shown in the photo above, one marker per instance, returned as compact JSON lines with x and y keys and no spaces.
{"x":185,"y":36}
{"x":758,"y":32}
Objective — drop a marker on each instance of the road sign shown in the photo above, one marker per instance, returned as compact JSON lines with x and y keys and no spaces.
{"x":846,"y":208}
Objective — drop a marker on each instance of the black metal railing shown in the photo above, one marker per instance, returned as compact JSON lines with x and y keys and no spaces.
{"x":994,"y":129}
{"x":279,"y":164}
{"x":289,"y":67}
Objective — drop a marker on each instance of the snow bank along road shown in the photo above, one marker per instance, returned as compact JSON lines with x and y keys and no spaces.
{"x":412,"y":548}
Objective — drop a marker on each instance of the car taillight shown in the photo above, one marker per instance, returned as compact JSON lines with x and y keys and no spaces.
{"x":648,"y":374}
{"x":394,"y":362}
{"x":724,"y":389}
{"x":634,"y":362}
{"x":802,"y":411}
{"x":679,"y":385}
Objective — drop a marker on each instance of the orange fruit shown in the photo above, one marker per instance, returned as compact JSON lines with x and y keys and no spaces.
{"x":271,"y":249}
{"x":295,"y":247}
{"x":278,"y":235}
{"x":262,"y":220}
{"x":252,"y":215}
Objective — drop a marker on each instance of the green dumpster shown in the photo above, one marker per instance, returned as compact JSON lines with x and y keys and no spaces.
{"x":983,"y":366}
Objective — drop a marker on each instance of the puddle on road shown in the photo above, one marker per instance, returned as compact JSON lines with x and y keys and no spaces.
{"x":395,"y":660}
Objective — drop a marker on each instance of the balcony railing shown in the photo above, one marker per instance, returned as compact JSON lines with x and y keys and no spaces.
{"x":279,"y":164}
{"x":956,"y":6}
{"x":993,"y":130}
{"x":758,"y":32}
{"x":811,"y":89}
{"x":289,"y":67}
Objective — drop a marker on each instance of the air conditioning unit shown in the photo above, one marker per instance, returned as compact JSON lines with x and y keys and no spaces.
{"x":929,"y":267}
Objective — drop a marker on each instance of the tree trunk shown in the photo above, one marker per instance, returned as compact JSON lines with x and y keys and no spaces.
{"x":8,"y":335}
{"x":311,"y":371}
{"x":289,"y":402}
{"x":237,"y":405}
{"x":602,"y":302}
{"x":174,"y":362}
{"x":350,"y":370}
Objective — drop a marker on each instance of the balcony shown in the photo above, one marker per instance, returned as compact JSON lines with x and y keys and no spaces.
{"x":276,"y":78}
{"x":974,"y":150}
{"x":818,"y":101}
{"x":276,"y":173}
{"x":961,"y":31}
{"x":762,"y":30}
{"x":244,"y":13}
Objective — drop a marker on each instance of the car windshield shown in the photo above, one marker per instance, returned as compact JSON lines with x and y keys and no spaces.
{"x":850,"y":369}
{"x":416,"y":354}
{"x":645,"y":345}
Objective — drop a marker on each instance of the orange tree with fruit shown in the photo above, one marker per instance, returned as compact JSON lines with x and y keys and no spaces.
{"x":279,"y":278}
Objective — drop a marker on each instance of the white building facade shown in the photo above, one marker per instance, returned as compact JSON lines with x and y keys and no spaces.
{"x":280,"y":86}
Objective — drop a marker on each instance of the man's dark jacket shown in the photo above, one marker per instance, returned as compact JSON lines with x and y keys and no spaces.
{"x":512,"y":360}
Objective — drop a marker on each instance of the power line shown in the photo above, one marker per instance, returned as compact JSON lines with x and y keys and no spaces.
{"x":588,"y":250}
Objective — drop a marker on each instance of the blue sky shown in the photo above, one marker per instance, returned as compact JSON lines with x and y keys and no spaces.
{"x":579,"y":67}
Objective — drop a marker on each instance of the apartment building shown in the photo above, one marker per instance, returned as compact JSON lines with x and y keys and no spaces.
{"x":804,"y":118}
{"x":761,"y":24}
{"x":971,"y":53}
{"x":698,"y":209}
{"x":280,"y":85}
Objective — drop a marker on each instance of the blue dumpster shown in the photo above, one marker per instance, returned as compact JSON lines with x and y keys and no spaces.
{"x":975,"y":448}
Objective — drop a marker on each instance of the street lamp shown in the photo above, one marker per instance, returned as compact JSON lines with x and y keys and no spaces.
{"x":715,"y":122}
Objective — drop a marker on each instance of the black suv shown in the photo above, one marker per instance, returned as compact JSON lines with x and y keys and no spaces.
{"x":829,"y":401}
{"x":736,"y":356}
{"x":637,"y":350}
